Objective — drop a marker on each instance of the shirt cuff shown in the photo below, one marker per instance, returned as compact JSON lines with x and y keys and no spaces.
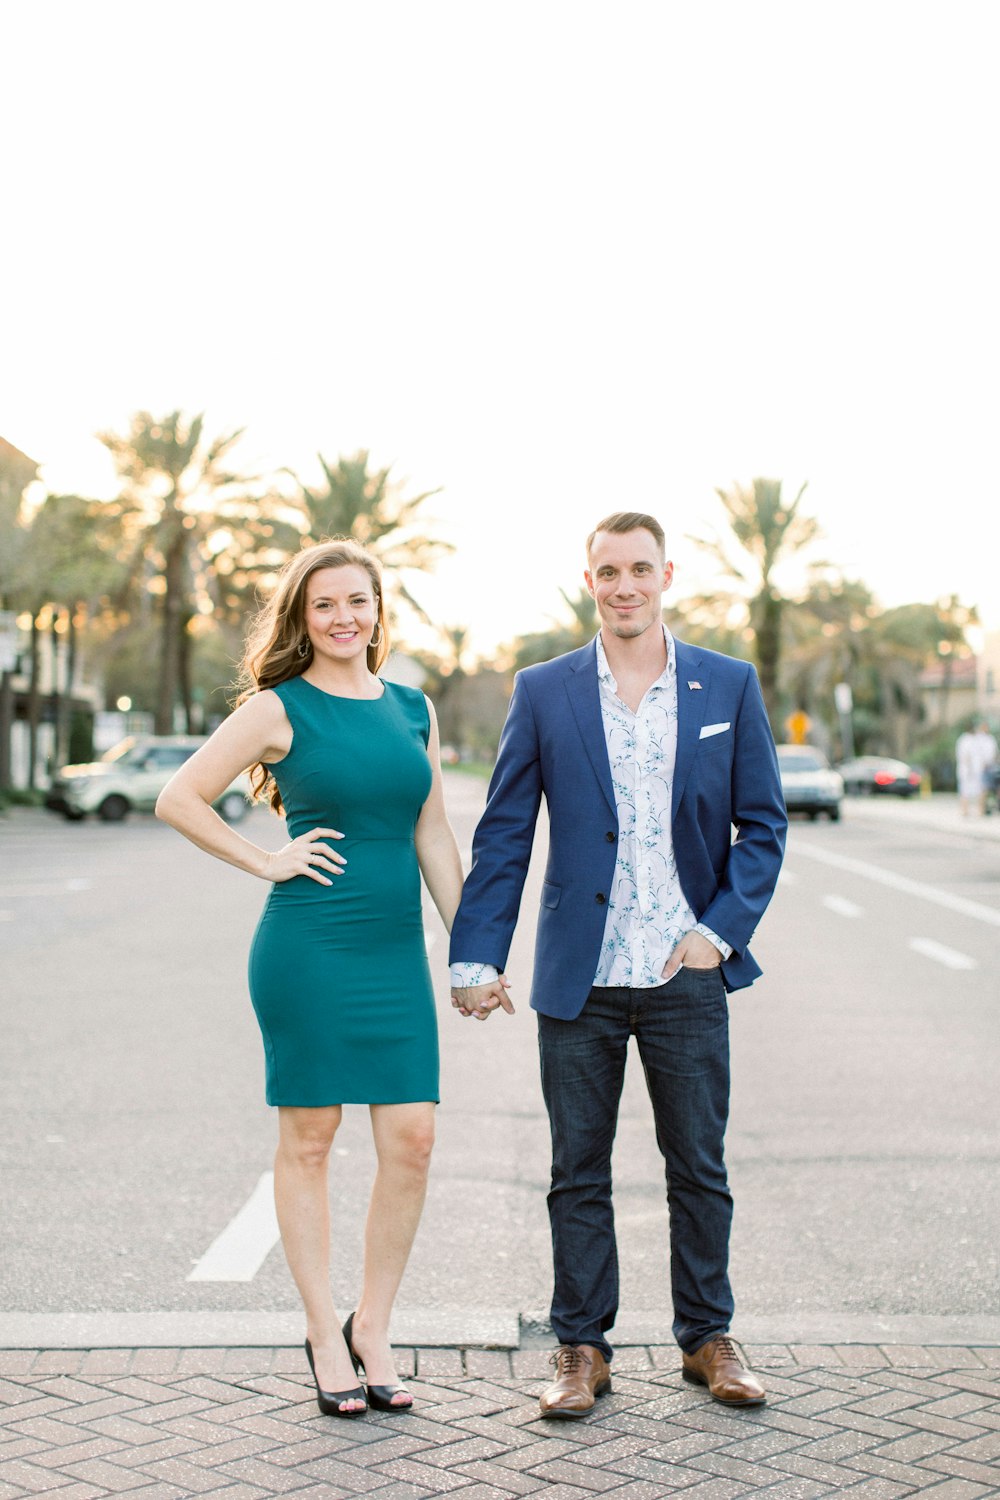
{"x":714,"y":938}
{"x":464,"y":975}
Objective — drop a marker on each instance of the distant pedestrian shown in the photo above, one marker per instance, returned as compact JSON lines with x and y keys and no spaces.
{"x":338,"y":966}
{"x":649,"y":754}
{"x":975,"y":756}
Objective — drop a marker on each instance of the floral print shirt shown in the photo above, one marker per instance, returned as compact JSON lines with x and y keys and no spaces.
{"x":647,"y":910}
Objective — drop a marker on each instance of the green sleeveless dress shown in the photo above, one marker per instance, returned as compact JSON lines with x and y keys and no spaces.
{"x":338,"y":973}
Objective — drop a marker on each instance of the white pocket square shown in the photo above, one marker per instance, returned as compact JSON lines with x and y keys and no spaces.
{"x":709,"y":729}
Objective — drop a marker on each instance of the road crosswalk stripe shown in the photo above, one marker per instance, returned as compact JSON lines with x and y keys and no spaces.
{"x":903,"y":883}
{"x":45,"y":888}
{"x":950,"y":957}
{"x":842,"y":906}
{"x":238,"y":1253}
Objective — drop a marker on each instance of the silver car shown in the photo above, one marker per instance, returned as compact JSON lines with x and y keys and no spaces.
{"x":130,"y":777}
{"x":808,"y":783}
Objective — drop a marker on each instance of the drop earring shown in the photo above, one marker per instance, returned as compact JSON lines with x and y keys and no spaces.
{"x":303,"y":648}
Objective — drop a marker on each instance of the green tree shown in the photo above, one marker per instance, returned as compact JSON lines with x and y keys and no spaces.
{"x":563,"y":635}
{"x":832,"y":636}
{"x":716,"y":621}
{"x":918,"y":634}
{"x":357,"y":501}
{"x":192,"y":535}
{"x":764,"y":532}
{"x":838,"y":633}
{"x":17,"y":473}
{"x":446,"y":680}
{"x":66,"y":576}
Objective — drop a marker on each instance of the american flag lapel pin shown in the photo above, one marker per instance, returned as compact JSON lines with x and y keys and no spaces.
{"x":695,"y":687}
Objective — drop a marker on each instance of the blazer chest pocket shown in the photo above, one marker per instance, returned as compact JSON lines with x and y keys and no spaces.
{"x":550,"y":893}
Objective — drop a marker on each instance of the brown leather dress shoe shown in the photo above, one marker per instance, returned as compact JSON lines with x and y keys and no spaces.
{"x":582,"y":1374}
{"x":717,"y":1365}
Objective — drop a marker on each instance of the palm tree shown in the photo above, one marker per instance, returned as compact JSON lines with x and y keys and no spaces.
{"x":838,"y":633}
{"x":766,"y":532}
{"x":716,"y":620}
{"x":832,"y":636}
{"x":563,"y":636}
{"x":185,"y":513}
{"x":363,"y":503}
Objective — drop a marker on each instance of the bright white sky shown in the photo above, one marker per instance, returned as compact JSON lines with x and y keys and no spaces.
{"x":559,"y":257}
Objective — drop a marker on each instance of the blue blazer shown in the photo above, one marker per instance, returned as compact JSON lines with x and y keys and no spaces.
{"x":553,"y":744}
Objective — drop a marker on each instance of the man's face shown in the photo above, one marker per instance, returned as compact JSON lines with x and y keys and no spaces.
{"x":627,"y":579}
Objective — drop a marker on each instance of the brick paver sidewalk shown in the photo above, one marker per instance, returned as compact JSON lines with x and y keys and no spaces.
{"x":866,"y":1421}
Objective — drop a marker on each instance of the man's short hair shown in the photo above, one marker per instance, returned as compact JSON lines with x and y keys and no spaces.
{"x":630,"y":520}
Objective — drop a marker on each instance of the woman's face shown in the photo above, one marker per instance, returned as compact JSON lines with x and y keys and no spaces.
{"x":340,"y":613}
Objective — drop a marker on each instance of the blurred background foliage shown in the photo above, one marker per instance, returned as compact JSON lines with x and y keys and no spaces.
{"x":152,"y":592}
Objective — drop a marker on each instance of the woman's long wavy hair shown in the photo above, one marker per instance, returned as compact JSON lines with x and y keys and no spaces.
{"x":272,"y":653}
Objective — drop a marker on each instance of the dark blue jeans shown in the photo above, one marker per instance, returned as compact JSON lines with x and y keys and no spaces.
{"x":682,"y":1031}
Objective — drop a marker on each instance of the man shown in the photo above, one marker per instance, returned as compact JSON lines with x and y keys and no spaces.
{"x":975,"y":755}
{"x":648,"y":752}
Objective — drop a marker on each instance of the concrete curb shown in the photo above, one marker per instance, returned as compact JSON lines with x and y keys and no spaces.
{"x":469,"y":1328}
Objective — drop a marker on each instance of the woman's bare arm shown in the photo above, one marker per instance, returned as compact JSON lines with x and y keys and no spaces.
{"x":258,"y":731}
{"x":437,"y":851}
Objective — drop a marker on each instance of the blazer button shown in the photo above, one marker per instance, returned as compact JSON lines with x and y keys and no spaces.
{"x":610,"y":837}
{"x":600,"y":898}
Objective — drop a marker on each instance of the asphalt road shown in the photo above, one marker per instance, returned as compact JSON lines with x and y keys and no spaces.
{"x":865,"y":1131}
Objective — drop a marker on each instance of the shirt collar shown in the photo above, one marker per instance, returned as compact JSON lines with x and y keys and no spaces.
{"x":607,"y":677}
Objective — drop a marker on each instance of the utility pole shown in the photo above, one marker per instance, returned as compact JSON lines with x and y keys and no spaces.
{"x":8,"y":662}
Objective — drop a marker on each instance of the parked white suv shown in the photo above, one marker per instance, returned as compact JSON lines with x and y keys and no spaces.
{"x":130,"y":777}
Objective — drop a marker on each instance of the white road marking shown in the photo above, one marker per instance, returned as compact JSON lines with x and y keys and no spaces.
{"x":860,"y":867}
{"x":247,"y":1240}
{"x":842,"y":906}
{"x":947,"y":956}
{"x":7,"y":891}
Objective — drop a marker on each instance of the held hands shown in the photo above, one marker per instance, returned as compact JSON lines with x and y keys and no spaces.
{"x":306,"y":855}
{"x":481,"y":1000}
{"x":692,"y":952}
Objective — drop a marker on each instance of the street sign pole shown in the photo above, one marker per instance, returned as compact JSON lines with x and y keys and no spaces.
{"x":844,"y":700}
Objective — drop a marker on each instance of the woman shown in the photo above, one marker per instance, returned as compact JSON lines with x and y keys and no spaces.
{"x":338,"y":968}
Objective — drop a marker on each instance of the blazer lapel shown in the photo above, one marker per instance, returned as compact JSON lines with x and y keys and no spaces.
{"x":585,"y":699}
{"x":692,"y":668}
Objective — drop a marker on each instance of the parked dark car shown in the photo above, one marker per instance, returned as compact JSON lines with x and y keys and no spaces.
{"x":808,"y":783}
{"x":869,"y":775}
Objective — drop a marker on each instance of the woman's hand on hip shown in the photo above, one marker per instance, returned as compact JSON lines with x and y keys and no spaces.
{"x":307,"y":855}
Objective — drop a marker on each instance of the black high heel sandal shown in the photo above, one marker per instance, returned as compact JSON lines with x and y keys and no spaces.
{"x":379,"y":1396}
{"x":329,"y":1401}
